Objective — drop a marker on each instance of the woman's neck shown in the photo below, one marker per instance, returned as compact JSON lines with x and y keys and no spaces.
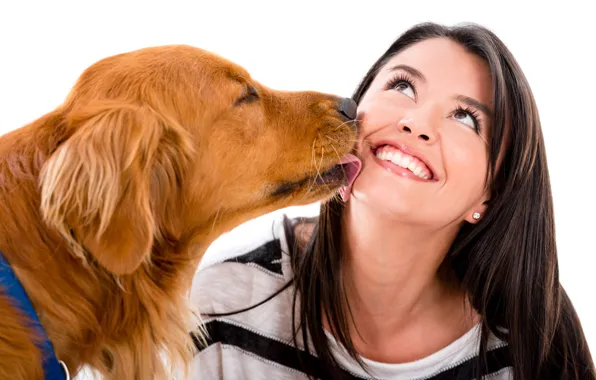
{"x":397,"y":288}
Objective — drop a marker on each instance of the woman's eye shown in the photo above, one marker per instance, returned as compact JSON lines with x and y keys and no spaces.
{"x":466,"y":118}
{"x":405,"y":88}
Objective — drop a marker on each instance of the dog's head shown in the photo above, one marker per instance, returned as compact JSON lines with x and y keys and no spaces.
{"x":160,"y":143}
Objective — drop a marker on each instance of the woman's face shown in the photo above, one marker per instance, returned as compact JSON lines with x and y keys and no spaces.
{"x":425,"y":124}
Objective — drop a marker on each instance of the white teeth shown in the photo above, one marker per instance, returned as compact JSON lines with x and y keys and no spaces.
{"x":403,"y":160}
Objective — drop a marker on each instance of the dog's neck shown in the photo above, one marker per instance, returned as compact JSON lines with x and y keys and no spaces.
{"x":13,"y":290}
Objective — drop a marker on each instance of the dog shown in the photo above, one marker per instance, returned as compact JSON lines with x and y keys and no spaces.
{"x":108,"y":202}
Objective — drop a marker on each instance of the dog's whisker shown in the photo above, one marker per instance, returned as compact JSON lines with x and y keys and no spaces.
{"x":319,"y":175}
{"x":313,"y":158}
{"x":318,"y":167}
{"x":336,"y":153}
{"x":312,"y":164}
{"x":321,"y":162}
{"x":333,"y":146}
{"x":215,"y":220}
{"x":347,"y":122}
{"x":332,"y":139}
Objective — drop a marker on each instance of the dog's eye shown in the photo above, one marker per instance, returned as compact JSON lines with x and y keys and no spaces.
{"x":249,"y":95}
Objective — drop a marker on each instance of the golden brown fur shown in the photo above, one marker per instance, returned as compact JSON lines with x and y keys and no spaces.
{"x":109,"y":201}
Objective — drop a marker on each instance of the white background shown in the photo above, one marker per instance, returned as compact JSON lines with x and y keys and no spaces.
{"x":328,"y":46}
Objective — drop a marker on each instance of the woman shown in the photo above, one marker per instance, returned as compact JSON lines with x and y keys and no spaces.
{"x":439,"y":262}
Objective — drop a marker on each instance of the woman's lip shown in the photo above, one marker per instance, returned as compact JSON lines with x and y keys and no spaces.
{"x":396,"y":169}
{"x":405,"y":149}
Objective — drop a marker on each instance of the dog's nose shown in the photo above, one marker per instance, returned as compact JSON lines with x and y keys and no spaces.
{"x":348,"y":107}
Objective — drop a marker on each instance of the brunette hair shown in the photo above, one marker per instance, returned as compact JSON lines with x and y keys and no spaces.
{"x":507,"y":263}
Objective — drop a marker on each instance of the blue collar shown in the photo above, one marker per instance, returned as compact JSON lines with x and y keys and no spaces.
{"x":11,"y":286}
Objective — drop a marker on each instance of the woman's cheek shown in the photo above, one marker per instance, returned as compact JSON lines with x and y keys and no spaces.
{"x":377,"y":114}
{"x":464,"y":156}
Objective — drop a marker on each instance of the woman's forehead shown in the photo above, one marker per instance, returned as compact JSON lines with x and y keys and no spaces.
{"x":446,"y":64}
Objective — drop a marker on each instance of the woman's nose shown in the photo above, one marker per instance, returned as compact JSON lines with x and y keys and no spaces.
{"x":419,"y":131}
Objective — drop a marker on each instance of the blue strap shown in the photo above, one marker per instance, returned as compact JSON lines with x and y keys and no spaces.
{"x":11,"y":286}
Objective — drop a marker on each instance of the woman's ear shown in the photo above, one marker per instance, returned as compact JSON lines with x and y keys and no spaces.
{"x":95,"y":188}
{"x":476,"y":213}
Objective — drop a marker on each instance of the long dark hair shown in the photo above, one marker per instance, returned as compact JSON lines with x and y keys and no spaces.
{"x":507,"y":263}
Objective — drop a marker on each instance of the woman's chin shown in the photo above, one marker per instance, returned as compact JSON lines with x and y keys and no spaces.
{"x":382,"y":202}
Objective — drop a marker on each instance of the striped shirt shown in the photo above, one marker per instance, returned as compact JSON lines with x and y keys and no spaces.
{"x":257,"y":344}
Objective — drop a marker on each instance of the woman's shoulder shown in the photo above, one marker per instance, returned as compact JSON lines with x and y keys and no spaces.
{"x":244,"y":266}
{"x":244,"y":295}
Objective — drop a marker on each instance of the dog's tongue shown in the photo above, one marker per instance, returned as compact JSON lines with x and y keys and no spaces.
{"x":352,"y":166}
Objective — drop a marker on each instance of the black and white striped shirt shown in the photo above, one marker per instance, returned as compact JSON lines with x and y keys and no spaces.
{"x":257,"y":344}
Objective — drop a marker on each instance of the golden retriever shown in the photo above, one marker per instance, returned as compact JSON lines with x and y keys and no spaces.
{"x":108,"y":202}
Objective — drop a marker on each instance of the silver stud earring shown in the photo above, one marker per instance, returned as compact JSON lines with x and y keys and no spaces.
{"x":476,"y":215}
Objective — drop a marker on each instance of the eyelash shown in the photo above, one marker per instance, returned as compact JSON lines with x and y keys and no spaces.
{"x":406,"y":78}
{"x":474,"y":114}
{"x":401,"y":77}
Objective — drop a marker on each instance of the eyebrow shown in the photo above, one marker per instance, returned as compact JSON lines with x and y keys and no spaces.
{"x":475,"y":103}
{"x":410,"y":70}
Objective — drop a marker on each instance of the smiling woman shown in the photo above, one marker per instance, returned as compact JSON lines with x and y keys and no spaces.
{"x":440,"y":263}
{"x":420,"y":120}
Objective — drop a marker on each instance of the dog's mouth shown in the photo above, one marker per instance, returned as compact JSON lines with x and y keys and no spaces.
{"x":342,"y":174}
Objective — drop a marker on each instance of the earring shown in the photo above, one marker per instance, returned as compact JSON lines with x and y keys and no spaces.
{"x":476,"y":215}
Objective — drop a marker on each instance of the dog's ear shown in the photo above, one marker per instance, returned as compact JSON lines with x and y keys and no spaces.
{"x":97,"y":187}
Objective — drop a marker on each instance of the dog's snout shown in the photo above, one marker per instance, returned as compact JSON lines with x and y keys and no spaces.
{"x":348,"y":107}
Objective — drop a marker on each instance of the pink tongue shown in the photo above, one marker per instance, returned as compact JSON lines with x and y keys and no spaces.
{"x":352,"y":166}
